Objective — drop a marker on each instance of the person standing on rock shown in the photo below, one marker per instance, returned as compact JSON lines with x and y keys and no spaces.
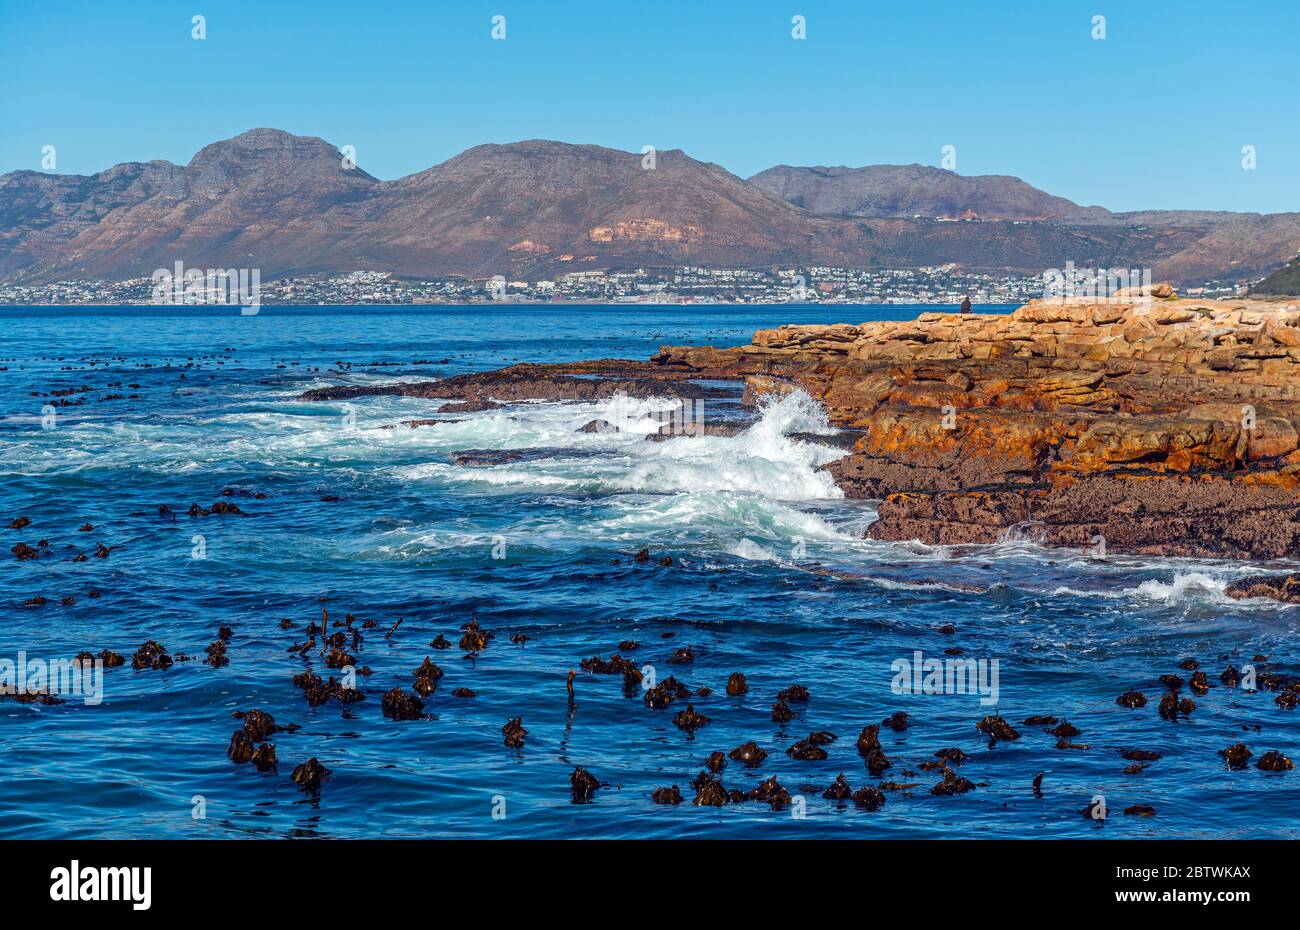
{"x":965,"y":304}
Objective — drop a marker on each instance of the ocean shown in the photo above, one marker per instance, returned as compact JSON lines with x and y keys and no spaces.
{"x":770,"y":576}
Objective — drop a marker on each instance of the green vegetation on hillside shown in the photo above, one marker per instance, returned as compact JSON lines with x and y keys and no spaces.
{"x":1284,"y":281}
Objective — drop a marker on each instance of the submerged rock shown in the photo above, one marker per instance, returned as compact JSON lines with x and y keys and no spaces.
{"x":1276,"y":587}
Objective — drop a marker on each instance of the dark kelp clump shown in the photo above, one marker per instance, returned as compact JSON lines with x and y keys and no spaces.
{"x":749,"y":754}
{"x":310,"y":775}
{"x":152,"y":655}
{"x":689,"y":720}
{"x":513,"y":732}
{"x":795,"y":694}
{"x":1171,"y":707}
{"x":997,"y":728}
{"x":582,"y":785}
{"x":1236,"y":756}
{"x":869,"y":798}
{"x":1131,"y":699}
{"x":709,"y":791}
{"x":318,"y":691}
{"x":1274,"y":761}
{"x":1139,"y":755}
{"x":810,"y":748}
{"x":666,"y":692}
{"x":216,"y":652}
{"x":771,"y":792}
{"x":426,"y":678}
{"x":475,"y":638}
{"x":398,"y":705}
{"x":952,"y":784}
{"x":869,"y":749}
{"x":839,"y":789}
{"x":670,"y":795}
{"x":242,"y":749}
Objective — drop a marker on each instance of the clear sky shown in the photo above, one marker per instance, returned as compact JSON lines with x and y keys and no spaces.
{"x":1153,"y":116}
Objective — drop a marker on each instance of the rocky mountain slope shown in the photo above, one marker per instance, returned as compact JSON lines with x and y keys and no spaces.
{"x":287,"y":204}
{"x":1184,"y":246}
{"x":906,"y":191}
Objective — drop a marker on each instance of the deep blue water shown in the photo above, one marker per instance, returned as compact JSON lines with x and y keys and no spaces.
{"x":411,"y":537}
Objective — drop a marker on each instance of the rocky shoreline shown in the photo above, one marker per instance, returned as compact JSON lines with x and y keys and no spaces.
{"x":1166,"y":428}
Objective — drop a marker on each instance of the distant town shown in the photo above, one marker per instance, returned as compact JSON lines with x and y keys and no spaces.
{"x":944,"y":284}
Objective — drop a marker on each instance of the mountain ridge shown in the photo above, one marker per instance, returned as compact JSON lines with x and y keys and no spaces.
{"x":288,"y":204}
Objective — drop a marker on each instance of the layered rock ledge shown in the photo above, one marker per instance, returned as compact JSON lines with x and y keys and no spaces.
{"x":1171,"y":427}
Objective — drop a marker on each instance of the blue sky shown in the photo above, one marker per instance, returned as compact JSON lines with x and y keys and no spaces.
{"x":1153,"y":116}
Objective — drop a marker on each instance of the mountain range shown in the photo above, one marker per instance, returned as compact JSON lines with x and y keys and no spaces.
{"x":290,"y":204}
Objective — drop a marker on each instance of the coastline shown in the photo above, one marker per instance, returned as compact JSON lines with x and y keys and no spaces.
{"x":1169,"y":430}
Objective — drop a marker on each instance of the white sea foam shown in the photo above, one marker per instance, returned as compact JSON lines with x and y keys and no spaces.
{"x":746,"y":548}
{"x":761,"y":460}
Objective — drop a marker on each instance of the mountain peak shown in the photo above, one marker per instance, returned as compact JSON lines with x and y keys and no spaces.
{"x":263,"y":143}
{"x":272,"y":153}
